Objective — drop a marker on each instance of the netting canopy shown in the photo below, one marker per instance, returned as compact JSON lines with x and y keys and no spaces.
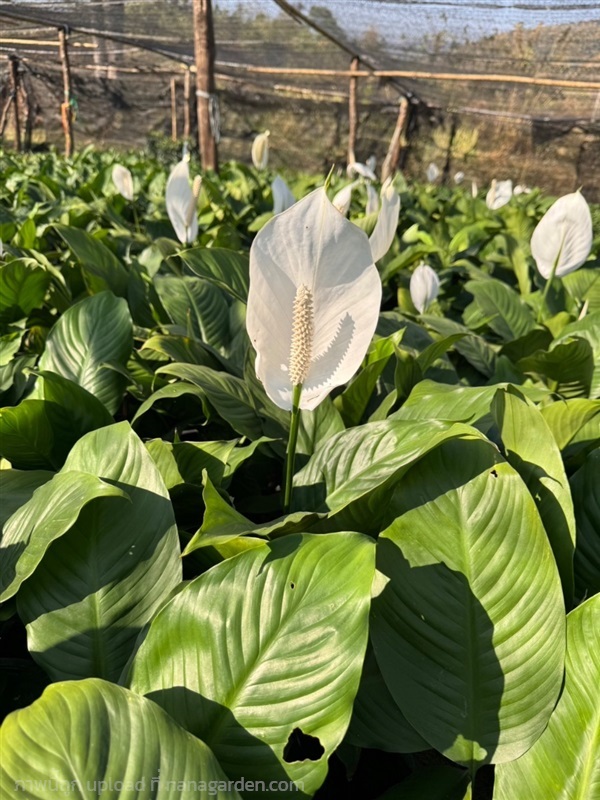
{"x":493,"y":84}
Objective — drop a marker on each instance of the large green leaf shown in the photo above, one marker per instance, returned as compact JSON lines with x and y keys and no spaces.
{"x":228,"y":394}
{"x":94,"y":739}
{"x":89,"y":334}
{"x":197,"y":306}
{"x":101,"y":582}
{"x":469,"y":630}
{"x":16,"y":488}
{"x":564,"y":764}
{"x":21,"y":290}
{"x":103,"y":268}
{"x":225,"y":268}
{"x":361,"y":464}
{"x":568,"y":417}
{"x":47,"y":516}
{"x":585,"y":485}
{"x":261,"y":656}
{"x":569,"y":366}
{"x":40,"y":431}
{"x":377,"y":721}
{"x":531,"y":449}
{"x":507,"y":314}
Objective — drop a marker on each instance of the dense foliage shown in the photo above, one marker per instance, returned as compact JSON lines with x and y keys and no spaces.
{"x":430,"y":606}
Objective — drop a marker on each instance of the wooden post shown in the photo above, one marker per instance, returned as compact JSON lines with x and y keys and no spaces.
{"x":13,"y":62}
{"x":66,"y":109}
{"x":352,"y":112}
{"x":204,"y":46}
{"x":187,"y":104}
{"x":27,"y":115}
{"x":174,"y":109}
{"x":397,"y":142}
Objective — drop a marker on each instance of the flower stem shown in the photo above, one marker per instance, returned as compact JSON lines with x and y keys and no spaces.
{"x":290,"y":455}
{"x":546,"y":288}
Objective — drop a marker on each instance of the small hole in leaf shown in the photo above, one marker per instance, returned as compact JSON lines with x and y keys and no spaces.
{"x":494,"y":473}
{"x":292,"y":585}
{"x":302,"y":747}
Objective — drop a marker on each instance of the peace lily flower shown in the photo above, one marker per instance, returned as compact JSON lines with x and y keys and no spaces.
{"x":182,"y":200}
{"x":123,"y":180}
{"x":424,"y":287}
{"x":282,"y":195}
{"x":342,"y":199}
{"x":372,"y":200}
{"x":364,"y":171}
{"x":387,"y":222}
{"x":499,"y":194}
{"x":562,"y":240}
{"x":474,"y":189}
{"x":520,"y":189}
{"x":459,"y":177}
{"x":371,"y":162}
{"x":313,"y":306}
{"x":260,"y":150}
{"x":433,"y":172}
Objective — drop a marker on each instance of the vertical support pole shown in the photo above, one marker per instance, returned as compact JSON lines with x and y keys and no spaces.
{"x":204,"y":46}
{"x":397,"y":142}
{"x":353,"y":112}
{"x":174,"y":109}
{"x":13,"y":62}
{"x":187,"y":105}
{"x":27,"y":115}
{"x":66,"y":109}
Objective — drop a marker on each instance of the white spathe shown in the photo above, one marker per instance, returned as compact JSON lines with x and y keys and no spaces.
{"x":372,"y":206}
{"x":123,"y":180}
{"x":356,"y":168}
{"x":282,"y":195}
{"x":563,"y":236}
{"x":459,"y":177}
{"x":181,"y":200}
{"x":424,"y":287}
{"x":387,"y":222}
{"x":311,"y":245}
{"x":499,"y":194}
{"x":260,"y":150}
{"x":433,"y":172}
{"x":342,"y":199}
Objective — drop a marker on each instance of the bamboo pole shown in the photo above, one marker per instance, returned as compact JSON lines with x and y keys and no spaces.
{"x":173,"y":84}
{"x":66,"y":109}
{"x":415,"y":74}
{"x":352,"y":111}
{"x":397,"y":142}
{"x":204,"y":47}
{"x":187,"y":104}
{"x":13,"y":62}
{"x":27,"y":114}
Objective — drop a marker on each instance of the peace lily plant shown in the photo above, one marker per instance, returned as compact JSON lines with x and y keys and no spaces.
{"x":182,"y":200}
{"x":260,"y":150}
{"x":562,"y":240}
{"x":313,"y":306}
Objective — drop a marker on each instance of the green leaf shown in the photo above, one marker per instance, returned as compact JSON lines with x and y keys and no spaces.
{"x":568,"y":365}
{"x":435,"y":401}
{"x":21,"y":290}
{"x":92,"y":332}
{"x":564,"y":764}
{"x":507,"y":314}
{"x":103,"y":268}
{"x":587,"y":328}
{"x":16,"y":488}
{"x":225,"y":268}
{"x":96,"y":739}
{"x":39,"y":432}
{"x":377,"y":722}
{"x":531,"y":449}
{"x":586,"y":499}
{"x":197,"y":306}
{"x":289,"y":621}
{"x":475,"y":349}
{"x":367,"y":461}
{"x":228,"y":394}
{"x":222,"y":523}
{"x":317,"y":426}
{"x":48,"y":515}
{"x":102,"y":581}
{"x":568,"y":418}
{"x":469,"y":630}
